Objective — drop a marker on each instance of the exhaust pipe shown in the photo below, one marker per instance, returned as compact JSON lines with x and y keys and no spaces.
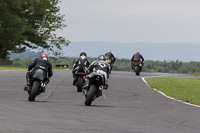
{"x":43,"y":85}
{"x":101,"y":88}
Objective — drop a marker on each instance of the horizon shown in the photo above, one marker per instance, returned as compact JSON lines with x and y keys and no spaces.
{"x":185,"y":52}
{"x":150,"y":51}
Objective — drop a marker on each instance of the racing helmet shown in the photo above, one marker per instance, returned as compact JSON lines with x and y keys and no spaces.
{"x":137,"y":52}
{"x":44,"y":56}
{"x":83,"y":54}
{"x":101,"y":57}
{"x":109,"y":51}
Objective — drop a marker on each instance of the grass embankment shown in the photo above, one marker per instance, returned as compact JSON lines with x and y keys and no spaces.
{"x":184,"y":89}
{"x":25,"y":68}
{"x":196,"y":74}
{"x":12,"y":68}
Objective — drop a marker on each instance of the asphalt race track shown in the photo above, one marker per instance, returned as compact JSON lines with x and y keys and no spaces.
{"x":128,"y":106}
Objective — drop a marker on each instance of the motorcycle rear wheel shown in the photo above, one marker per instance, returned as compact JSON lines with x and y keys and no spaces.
{"x":90,"y":95}
{"x":79,"y":84}
{"x":34,"y":91}
{"x":137,"y":70}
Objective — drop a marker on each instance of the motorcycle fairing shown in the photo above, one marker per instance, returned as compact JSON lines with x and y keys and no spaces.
{"x":97,"y":76}
{"x":39,"y":74}
{"x":80,"y":70}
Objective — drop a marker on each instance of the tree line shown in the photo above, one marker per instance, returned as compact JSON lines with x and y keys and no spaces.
{"x":125,"y":64}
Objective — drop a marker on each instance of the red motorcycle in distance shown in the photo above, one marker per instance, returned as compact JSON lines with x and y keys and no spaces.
{"x":137,"y":67}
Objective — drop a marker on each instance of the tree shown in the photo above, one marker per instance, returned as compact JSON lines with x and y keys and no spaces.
{"x":30,"y":23}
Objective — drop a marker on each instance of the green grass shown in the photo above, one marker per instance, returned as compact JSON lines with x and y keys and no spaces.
{"x":197,"y":74}
{"x":12,"y":68}
{"x":184,"y":89}
{"x":26,"y":68}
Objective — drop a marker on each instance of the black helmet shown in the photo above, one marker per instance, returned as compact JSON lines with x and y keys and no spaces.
{"x":101,"y":57}
{"x":83,"y":53}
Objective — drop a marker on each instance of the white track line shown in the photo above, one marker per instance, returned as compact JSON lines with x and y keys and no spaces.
{"x":143,"y":78}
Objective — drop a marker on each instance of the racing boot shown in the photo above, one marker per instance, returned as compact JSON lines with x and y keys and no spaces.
{"x":27,"y":86}
{"x":85,"y":87}
{"x":74,"y":82}
{"x":106,"y":86}
{"x":86,"y":84}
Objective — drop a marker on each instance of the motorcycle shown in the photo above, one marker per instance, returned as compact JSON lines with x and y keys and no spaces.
{"x":95,"y":88}
{"x":80,"y":72}
{"x":137,"y":67}
{"x":37,"y":85}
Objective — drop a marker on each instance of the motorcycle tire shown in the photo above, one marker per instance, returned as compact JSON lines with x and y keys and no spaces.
{"x":79,"y":84}
{"x":34,"y":91}
{"x":137,"y":70}
{"x":90,"y":95}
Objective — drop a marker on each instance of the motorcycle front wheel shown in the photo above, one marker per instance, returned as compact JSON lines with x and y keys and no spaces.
{"x":90,"y":95}
{"x":34,"y":91}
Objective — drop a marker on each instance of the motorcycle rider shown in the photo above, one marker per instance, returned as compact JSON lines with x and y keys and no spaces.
{"x":39,"y":63}
{"x":82,"y":60}
{"x":110,"y":55}
{"x":137,"y":57}
{"x":98,"y":65}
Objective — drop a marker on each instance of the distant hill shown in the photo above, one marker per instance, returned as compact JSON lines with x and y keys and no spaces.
{"x":27,"y":53}
{"x":151,"y":51}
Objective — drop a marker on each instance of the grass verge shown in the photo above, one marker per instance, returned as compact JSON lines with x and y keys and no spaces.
{"x":26,"y":68}
{"x":184,"y":89}
{"x":12,"y":68}
{"x":197,"y":74}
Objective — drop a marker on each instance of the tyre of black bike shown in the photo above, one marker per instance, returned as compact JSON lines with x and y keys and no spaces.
{"x":34,"y":90}
{"x":79,"y":84}
{"x":137,"y":70}
{"x":90,"y":95}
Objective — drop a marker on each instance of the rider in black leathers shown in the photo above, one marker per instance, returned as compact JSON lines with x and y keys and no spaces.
{"x":39,"y":63}
{"x":137,"y":57}
{"x":110,"y":55}
{"x":82,"y":60}
{"x":112,"y":58}
{"x":99,"y":64}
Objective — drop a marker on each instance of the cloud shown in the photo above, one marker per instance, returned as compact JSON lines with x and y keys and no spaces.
{"x":132,"y":20}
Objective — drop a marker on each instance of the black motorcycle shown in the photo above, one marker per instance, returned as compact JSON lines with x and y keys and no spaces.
{"x":80,"y":72}
{"x":95,"y":88}
{"x":137,"y":67}
{"x":37,"y":85}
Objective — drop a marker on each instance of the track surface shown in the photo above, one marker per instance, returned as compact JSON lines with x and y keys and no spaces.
{"x":128,"y":106}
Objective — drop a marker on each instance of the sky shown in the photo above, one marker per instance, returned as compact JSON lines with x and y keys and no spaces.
{"x":168,"y":21}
